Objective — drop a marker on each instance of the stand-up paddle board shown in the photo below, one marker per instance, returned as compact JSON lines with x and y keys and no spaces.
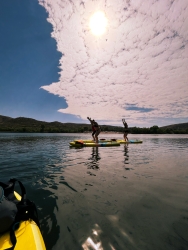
{"x":88,"y":143}
{"x":110,"y":142}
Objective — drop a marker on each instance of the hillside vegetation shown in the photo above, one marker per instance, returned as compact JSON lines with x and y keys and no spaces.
{"x":22,"y":124}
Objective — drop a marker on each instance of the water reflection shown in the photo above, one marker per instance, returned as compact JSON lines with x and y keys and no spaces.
{"x":126,"y":156}
{"x":46,"y":202}
{"x":93,"y":241}
{"x":115,"y":212}
{"x":94,"y":159}
{"x":66,"y":184}
{"x":117,"y":238}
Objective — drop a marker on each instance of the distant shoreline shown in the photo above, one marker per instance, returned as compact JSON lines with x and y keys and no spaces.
{"x":29,"y":125}
{"x":89,"y":133}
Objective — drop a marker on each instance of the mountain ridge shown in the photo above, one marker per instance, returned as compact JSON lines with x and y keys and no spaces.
{"x":24,"y":124}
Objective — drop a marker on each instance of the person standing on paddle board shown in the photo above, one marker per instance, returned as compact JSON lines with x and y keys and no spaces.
{"x":125,"y":130}
{"x":92,"y":127}
{"x":97,"y":130}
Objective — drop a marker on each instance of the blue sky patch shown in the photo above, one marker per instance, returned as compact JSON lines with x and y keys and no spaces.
{"x":139,"y":109}
{"x":29,"y":60}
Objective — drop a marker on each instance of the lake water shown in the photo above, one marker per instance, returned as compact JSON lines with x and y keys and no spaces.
{"x":127,"y":197}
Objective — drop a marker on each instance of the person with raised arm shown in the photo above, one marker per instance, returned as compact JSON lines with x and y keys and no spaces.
{"x":98,"y":130}
{"x":125,"y":130}
{"x":95,"y":128}
{"x":92,"y":127}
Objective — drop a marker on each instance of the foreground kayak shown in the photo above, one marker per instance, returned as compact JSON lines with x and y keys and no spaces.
{"x":28,"y":236}
{"x":80,"y":143}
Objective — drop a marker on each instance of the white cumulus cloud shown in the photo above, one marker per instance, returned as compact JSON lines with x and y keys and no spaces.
{"x":141,"y":60}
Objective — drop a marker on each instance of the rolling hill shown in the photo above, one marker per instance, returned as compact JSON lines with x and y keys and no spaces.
{"x":23,"y":124}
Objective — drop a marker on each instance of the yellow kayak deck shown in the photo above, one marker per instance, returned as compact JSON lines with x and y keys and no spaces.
{"x":28,"y":236}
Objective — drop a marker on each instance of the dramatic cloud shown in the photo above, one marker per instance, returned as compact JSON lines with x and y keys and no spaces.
{"x":138,"y":69}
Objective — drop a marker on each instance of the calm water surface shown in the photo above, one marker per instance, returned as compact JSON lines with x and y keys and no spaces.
{"x":125,"y":197}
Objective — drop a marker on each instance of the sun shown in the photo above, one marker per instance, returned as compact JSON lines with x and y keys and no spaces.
{"x":98,"y":23}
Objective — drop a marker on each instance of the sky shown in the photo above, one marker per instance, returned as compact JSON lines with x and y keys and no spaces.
{"x":55,"y":67}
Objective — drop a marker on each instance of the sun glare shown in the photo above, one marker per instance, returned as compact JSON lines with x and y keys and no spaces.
{"x":98,"y":23}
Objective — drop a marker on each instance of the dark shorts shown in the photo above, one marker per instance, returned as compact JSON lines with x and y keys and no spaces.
{"x":94,"y":132}
{"x":97,"y":132}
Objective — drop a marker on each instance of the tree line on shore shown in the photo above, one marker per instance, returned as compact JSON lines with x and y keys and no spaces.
{"x":85,"y":129}
{"x":23,"y":125}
